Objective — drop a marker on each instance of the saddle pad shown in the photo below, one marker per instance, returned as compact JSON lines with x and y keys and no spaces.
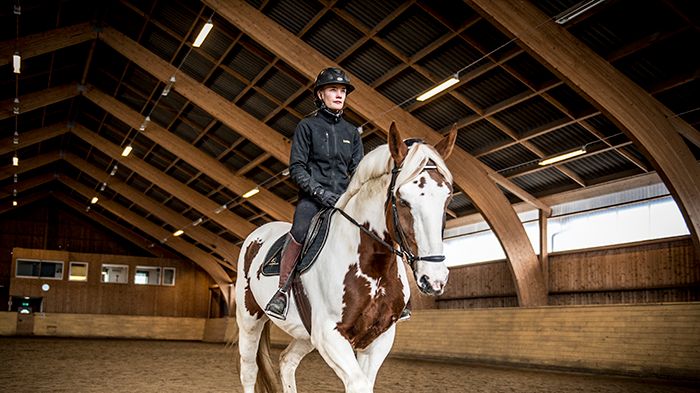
{"x":315,"y":239}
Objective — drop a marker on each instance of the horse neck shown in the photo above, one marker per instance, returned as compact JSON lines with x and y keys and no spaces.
{"x":367,"y":206}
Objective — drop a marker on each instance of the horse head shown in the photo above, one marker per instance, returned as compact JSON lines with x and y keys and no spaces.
{"x":419,"y":192}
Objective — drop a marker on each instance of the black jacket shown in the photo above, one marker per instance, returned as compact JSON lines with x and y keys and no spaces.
{"x":325,"y":152}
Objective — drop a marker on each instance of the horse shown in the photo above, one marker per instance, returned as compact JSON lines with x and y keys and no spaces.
{"x":358,"y":285}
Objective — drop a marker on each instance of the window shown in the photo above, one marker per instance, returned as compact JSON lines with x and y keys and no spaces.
{"x":118,"y":274}
{"x":147,"y":275}
{"x":169,"y":276}
{"x":77,"y":271}
{"x":31,"y":268}
{"x":601,"y":221}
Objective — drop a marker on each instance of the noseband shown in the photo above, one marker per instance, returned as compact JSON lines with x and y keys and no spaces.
{"x":399,"y":235}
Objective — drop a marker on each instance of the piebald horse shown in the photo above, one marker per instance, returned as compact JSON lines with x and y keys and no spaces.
{"x":358,"y":286}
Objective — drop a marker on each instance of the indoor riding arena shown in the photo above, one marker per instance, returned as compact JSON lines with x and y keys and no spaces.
{"x":143,"y":141}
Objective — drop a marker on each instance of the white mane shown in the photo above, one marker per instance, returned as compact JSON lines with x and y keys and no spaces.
{"x":372,"y":172}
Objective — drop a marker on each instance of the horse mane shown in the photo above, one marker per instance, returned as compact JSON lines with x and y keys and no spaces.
{"x":378,"y":163}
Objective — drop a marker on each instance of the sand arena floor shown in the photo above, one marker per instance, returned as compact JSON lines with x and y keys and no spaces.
{"x":87,"y":365}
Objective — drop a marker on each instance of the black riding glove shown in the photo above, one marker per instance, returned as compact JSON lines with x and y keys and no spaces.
{"x":327,"y":198}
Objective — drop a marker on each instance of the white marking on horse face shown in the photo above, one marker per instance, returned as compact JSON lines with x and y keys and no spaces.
{"x":428,"y":196}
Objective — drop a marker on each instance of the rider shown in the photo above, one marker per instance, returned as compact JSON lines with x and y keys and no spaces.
{"x":325,"y":152}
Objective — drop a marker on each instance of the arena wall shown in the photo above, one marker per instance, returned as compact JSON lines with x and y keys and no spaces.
{"x":189,"y":297}
{"x":659,"y":340}
{"x":664,"y":270}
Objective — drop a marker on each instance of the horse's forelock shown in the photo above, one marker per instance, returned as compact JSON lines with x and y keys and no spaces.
{"x":416,"y":160}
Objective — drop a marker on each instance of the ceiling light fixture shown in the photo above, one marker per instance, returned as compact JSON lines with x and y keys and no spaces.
{"x":251,"y":193}
{"x":563,"y":156}
{"x":178,"y":232}
{"x":439,"y":88}
{"x":94,"y":200}
{"x":203,"y":34}
{"x":15,"y":160}
{"x":14,"y":203}
{"x":16,"y":62}
{"x":127,"y":151}
{"x":576,"y":10}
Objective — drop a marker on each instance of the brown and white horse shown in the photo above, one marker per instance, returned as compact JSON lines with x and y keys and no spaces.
{"x":358,"y":286}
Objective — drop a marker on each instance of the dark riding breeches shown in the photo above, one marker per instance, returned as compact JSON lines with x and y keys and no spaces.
{"x":305,"y":211}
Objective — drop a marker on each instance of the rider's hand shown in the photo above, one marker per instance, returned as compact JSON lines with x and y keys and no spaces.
{"x":327,"y":198}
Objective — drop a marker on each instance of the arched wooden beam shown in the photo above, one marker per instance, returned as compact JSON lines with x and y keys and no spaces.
{"x":469,"y":173}
{"x":207,"y":262}
{"x":652,"y":126}
{"x":38,"y":44}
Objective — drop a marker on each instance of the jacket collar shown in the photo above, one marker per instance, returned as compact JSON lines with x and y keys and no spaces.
{"x":330,"y":116}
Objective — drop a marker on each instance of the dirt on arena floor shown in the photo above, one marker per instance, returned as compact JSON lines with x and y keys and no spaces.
{"x":91,"y":365}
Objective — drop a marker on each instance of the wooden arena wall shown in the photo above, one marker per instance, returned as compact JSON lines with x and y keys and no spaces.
{"x":665,"y":270}
{"x":639,"y":340}
{"x":189,"y":297}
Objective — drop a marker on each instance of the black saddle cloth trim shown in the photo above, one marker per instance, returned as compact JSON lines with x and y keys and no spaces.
{"x":315,"y":240}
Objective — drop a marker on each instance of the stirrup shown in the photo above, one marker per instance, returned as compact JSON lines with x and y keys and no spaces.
{"x":277,"y":306}
{"x":405,"y":315}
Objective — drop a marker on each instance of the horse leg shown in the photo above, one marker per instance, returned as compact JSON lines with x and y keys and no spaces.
{"x":289,"y":361}
{"x":249,"y":330}
{"x":372,"y":357}
{"x":339,"y":355}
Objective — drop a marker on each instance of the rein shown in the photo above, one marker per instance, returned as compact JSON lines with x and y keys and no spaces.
{"x":404,"y":251}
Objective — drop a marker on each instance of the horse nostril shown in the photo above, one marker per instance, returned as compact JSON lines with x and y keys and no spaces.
{"x":424,"y":281}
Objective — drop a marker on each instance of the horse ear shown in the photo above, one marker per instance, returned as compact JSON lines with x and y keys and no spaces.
{"x":397,"y":148}
{"x":445,"y":146}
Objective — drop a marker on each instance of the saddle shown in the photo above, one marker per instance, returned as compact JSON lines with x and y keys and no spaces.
{"x":315,"y":240}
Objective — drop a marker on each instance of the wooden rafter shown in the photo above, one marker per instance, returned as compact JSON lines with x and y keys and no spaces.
{"x":38,"y":100}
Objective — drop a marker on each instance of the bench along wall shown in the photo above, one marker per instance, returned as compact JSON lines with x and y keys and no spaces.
{"x":189,"y":297}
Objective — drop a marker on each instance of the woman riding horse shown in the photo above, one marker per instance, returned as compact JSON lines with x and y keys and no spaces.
{"x":326,"y":149}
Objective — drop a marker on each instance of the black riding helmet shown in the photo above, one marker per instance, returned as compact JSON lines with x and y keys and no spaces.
{"x":331,"y":76}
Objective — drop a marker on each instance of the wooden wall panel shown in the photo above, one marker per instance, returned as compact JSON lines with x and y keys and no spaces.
{"x":8,"y":323}
{"x":188,"y":298}
{"x":664,"y":270}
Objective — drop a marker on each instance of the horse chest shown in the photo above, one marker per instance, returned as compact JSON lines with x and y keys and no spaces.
{"x":371,"y":304}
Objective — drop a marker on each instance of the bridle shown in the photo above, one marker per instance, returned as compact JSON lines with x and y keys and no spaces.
{"x":399,"y":235}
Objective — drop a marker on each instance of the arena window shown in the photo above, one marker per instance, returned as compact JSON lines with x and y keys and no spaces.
{"x":168,"y":276}
{"x":117,"y":274}
{"x":36,"y":268}
{"x":78,"y":271}
{"x":640,"y":214}
{"x":147,"y":275}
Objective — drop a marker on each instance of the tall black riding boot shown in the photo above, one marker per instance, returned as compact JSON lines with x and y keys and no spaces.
{"x":277,"y":307}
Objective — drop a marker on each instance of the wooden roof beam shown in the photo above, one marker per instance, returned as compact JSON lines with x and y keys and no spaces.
{"x":265,"y":200}
{"x":153,"y":248}
{"x":47,"y":42}
{"x":207,"y":262}
{"x":40,"y":99}
{"x":232,"y":116}
{"x":235,"y":224}
{"x":33,"y":137}
{"x":470,"y":174}
{"x":176,"y":220}
{"x":29,"y":164}
{"x":646,"y":121}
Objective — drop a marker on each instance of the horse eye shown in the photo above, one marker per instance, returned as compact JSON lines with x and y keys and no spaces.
{"x":403,"y":203}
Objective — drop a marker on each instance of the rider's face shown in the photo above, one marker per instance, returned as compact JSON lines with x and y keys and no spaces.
{"x":333,"y":96}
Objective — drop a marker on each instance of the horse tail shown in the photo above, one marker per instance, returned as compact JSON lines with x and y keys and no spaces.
{"x":267,"y":381}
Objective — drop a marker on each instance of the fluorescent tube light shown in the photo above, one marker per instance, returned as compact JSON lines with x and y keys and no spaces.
{"x":562,"y":157}
{"x":14,"y":203}
{"x":16,"y":62}
{"x":127,"y":151}
{"x":438,"y":89}
{"x":251,"y":193}
{"x":178,"y":232}
{"x":576,"y":10}
{"x":203,"y":34}
{"x":15,"y":161}
{"x":94,"y":200}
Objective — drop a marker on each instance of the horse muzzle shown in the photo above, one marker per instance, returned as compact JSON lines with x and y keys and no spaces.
{"x":434,"y":287}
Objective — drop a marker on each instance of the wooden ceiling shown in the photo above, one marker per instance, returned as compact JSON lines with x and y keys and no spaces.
{"x":92,"y":71}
